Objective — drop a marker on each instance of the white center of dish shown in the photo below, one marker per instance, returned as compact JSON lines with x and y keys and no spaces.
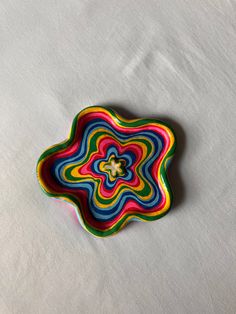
{"x":114,"y":167}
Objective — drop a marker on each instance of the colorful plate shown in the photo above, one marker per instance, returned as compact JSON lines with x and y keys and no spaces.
{"x":112,"y":169}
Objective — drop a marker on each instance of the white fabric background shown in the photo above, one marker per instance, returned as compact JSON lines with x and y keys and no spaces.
{"x":174,"y":60}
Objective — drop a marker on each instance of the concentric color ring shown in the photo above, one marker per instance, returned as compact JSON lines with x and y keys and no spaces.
{"x":112,"y":169}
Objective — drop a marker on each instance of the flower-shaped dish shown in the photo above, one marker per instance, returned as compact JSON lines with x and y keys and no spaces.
{"x":111,"y":169}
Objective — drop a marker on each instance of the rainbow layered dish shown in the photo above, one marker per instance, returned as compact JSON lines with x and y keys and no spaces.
{"x":112,"y":170}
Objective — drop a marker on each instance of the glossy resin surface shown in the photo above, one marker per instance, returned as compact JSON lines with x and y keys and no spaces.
{"x":111,"y":169}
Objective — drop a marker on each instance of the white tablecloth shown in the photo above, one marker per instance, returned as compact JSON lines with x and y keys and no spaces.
{"x":174,"y":60}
